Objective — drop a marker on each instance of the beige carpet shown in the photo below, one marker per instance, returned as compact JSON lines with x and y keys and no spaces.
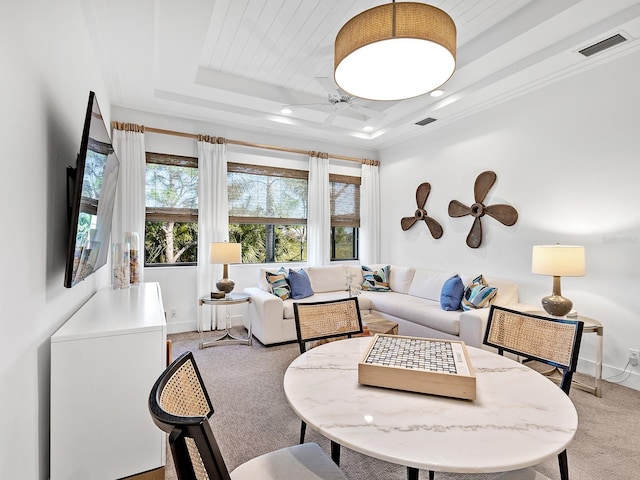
{"x":252,"y":417}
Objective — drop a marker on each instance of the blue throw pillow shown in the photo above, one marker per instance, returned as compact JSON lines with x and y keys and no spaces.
{"x":300,"y":284}
{"x":451,"y":294}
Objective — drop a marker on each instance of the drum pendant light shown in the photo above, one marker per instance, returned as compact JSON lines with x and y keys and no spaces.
{"x":395,"y":51}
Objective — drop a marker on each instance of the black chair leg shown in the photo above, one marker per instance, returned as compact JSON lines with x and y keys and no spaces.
{"x":414,"y":474}
{"x":564,"y":465}
{"x":335,"y":452}
{"x":303,"y":429}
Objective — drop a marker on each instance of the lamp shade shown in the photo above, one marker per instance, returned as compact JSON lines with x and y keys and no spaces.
{"x":395,"y":51}
{"x":225,"y":252}
{"x":558,"y":260}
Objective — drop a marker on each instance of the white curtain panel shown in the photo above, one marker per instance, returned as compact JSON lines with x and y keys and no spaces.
{"x":213,"y":216}
{"x":369,"y":252}
{"x":319,"y":211}
{"x":129,"y":208}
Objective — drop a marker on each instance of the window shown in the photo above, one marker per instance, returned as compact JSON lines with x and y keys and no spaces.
{"x":268,"y":212}
{"x":171,"y":228}
{"x":345,"y":216}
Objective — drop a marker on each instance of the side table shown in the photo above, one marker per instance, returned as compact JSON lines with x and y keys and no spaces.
{"x":380,"y":325}
{"x":590,"y":326}
{"x":228,"y":337}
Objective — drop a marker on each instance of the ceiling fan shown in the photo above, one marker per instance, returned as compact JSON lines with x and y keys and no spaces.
{"x":337,"y":101}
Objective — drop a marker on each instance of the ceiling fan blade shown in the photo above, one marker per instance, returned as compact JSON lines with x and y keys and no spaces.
{"x":458,"y":209}
{"x":434,"y":227}
{"x":328,"y":86}
{"x":407,"y":222}
{"x":422,"y":192}
{"x":330,"y":118}
{"x":482,"y":185}
{"x":505,"y":214}
{"x":314,"y":105}
{"x":474,"y":239}
{"x":367,"y":112}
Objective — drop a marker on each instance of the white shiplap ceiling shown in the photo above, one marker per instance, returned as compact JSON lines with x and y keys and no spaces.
{"x":237,"y":62}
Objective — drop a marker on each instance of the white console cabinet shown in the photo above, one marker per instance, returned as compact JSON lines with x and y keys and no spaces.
{"x":104,"y":361}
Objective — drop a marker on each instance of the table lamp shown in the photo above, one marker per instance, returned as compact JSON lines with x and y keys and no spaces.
{"x":558,"y":261}
{"x":225,"y":253}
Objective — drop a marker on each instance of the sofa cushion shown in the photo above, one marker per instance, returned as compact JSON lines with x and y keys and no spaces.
{"x":356,"y":273}
{"x":376,"y":280}
{"x":400,"y":278}
{"x":415,"y":309}
{"x":451,"y":294}
{"x":279,"y":285}
{"x":428,"y":283}
{"x":363,"y":303}
{"x":299,"y":284}
{"x":330,"y":278}
{"x":478,"y":294}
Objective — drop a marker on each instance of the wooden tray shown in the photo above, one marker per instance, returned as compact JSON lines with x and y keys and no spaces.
{"x":416,"y":364}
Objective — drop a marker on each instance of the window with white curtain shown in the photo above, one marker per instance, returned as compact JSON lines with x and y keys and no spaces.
{"x":267,"y":212}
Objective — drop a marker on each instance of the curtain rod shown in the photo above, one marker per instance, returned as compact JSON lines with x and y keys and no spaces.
{"x":364,"y":161}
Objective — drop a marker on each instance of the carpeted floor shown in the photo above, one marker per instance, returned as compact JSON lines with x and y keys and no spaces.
{"x":252,"y":417}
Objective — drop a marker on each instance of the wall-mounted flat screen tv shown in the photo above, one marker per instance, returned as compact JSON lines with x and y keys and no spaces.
{"x":91,"y":191}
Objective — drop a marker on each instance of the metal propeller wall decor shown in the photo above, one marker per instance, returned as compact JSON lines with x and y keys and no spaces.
{"x":505,"y":214}
{"x":422,"y":192}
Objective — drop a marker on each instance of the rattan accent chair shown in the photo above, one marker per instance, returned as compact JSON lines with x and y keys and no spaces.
{"x":324,"y":320}
{"x":553,"y":341}
{"x":328,"y":319}
{"x":179,"y":405}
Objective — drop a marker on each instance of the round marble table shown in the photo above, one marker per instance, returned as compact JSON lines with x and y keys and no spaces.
{"x":519,"y":417}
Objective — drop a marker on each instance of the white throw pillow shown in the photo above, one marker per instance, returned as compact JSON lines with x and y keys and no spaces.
{"x":328,"y":279}
{"x":400,"y":278}
{"x":428,"y":283}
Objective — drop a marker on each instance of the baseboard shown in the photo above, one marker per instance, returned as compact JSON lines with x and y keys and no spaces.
{"x":181,"y":327}
{"x":630,"y":378}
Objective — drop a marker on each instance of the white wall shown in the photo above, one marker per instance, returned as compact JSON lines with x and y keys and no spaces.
{"x":567,"y":157}
{"x":48,"y":68}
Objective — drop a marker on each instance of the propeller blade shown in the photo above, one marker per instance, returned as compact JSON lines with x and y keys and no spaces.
{"x":407,"y":222}
{"x":458,"y":209}
{"x":367,"y":112}
{"x":474,"y":239}
{"x":434,"y":227}
{"x":328,"y":86}
{"x":483,"y":183}
{"x":505,"y":214}
{"x":422,"y":192}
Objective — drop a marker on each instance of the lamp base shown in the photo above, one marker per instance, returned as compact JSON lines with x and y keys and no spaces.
{"x":557,"y":305}
{"x":225,"y":285}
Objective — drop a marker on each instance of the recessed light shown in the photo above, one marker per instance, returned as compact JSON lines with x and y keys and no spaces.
{"x":286,"y":111}
{"x":368,"y":128}
{"x":437,"y":93}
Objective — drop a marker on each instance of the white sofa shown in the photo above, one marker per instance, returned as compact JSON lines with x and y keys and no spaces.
{"x":413,"y":302}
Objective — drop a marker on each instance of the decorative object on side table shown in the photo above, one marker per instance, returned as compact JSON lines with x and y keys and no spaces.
{"x":132,"y":239}
{"x":505,"y":214}
{"x":558,"y":261}
{"x":422,"y":193}
{"x":354,"y":289}
{"x":225,"y":253}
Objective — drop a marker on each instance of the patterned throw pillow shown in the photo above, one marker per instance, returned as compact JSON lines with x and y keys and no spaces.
{"x":478,"y":294}
{"x":451,"y":295}
{"x":376,"y":280}
{"x":278,"y":282}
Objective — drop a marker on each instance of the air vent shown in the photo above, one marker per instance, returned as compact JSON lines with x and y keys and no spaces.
{"x":603,"y":45}
{"x":425,"y":121}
